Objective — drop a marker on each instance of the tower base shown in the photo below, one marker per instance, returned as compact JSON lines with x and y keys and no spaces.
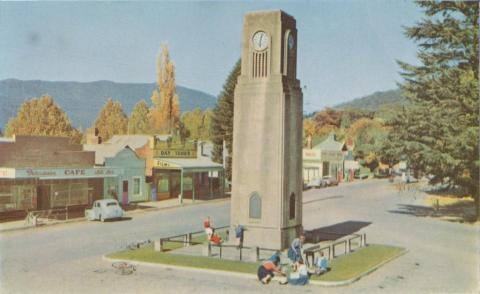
{"x":268,"y":238}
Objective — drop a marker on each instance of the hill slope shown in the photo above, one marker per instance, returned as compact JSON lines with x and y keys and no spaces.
{"x":82,"y":101}
{"x":375,"y":101}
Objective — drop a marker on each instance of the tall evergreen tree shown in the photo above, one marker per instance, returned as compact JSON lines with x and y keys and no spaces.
{"x":139,"y":123}
{"x":166,"y":108}
{"x":111,"y":120}
{"x":42,"y":117}
{"x":222,"y":121}
{"x":439,"y":131}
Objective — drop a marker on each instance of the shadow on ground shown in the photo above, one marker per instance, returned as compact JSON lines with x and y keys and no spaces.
{"x":334,"y":232}
{"x":462,"y":212}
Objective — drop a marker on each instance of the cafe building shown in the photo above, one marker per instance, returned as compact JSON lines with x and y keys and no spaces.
{"x":41,"y":173}
{"x":324,"y":159}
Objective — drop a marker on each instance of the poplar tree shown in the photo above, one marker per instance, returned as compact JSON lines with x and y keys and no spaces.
{"x":166,"y":109}
{"x":139,"y":123}
{"x":222,"y":121}
{"x":111,"y":120}
{"x":439,"y":131}
{"x":42,"y":117}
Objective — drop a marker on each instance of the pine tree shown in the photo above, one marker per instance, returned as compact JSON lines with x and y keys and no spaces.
{"x":42,"y":117}
{"x":111,"y":120}
{"x":222,"y":121}
{"x":439,"y":131}
{"x":139,"y":123}
{"x":166,"y":108}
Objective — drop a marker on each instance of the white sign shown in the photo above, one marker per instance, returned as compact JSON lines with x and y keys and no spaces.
{"x":8,"y":173}
{"x":67,"y":173}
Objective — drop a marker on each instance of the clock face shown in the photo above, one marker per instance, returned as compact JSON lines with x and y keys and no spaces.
{"x":260,"y":40}
{"x":291,"y":42}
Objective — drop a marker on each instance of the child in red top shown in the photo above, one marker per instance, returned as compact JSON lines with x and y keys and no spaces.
{"x":206,"y":223}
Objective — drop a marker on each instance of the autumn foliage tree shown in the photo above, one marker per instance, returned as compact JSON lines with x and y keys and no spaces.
{"x":111,"y":120}
{"x":198,"y":123}
{"x":138,"y":122}
{"x":164,"y":115}
{"x":42,"y":117}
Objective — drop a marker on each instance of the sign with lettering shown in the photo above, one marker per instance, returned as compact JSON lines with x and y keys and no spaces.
{"x":311,"y":154}
{"x":67,"y":173}
{"x":175,"y":153}
{"x":157,"y":163}
{"x":8,"y":173}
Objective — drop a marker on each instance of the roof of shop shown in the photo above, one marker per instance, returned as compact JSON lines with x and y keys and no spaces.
{"x":133,"y":141}
{"x":330,"y":144}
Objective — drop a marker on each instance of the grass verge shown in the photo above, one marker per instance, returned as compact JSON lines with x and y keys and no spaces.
{"x":349,"y":266}
{"x":342,"y":268}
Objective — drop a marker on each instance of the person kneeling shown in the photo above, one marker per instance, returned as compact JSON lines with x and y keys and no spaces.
{"x":268,"y":268}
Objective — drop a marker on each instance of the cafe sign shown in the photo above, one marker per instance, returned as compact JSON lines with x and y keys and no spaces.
{"x":67,"y":173}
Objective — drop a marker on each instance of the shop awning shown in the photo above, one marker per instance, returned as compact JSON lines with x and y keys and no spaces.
{"x":202,"y":164}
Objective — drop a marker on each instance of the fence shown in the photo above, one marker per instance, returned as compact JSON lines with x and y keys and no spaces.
{"x":240,"y":249}
{"x":332,"y":248}
{"x":185,"y":239}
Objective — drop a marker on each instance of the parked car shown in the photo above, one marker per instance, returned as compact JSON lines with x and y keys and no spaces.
{"x":330,"y":181}
{"x":316,"y":183}
{"x":104,"y":209}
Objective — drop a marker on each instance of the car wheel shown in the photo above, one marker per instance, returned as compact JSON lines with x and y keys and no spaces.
{"x":102,"y":219}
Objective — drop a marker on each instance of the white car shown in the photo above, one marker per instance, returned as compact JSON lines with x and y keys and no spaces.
{"x":104,"y":209}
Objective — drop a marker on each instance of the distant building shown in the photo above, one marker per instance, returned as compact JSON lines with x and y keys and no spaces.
{"x":324,"y":159}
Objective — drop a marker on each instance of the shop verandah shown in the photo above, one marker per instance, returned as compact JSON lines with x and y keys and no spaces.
{"x":194,"y":179}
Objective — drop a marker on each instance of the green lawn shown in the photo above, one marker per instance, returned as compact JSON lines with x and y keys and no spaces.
{"x":349,"y":266}
{"x":148,"y":254}
{"x":342,"y":268}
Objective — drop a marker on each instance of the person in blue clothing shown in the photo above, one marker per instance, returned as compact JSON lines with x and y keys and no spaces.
{"x":300,"y":277}
{"x":321,"y":266}
{"x":239,"y":230}
{"x":295,"y":251}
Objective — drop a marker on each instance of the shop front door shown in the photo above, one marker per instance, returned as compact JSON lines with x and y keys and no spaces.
{"x":125,"y":193}
{"x":43,"y":197}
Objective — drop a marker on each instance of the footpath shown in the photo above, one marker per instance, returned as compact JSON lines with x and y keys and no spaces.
{"x":139,"y":208}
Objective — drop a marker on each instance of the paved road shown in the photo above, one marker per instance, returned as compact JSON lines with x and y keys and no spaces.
{"x":443,"y":257}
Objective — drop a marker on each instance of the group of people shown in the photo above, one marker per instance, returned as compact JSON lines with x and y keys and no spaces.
{"x":209,"y":231}
{"x":299,"y":274}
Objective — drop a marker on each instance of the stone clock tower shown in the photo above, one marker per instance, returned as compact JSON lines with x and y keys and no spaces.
{"x":267,"y":133}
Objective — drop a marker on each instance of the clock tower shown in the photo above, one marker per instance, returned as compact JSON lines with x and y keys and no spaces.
{"x":267,"y":133}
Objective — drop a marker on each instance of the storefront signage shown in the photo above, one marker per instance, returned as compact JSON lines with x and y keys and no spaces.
{"x":8,"y":173}
{"x":175,"y":153}
{"x":157,"y":163}
{"x":311,"y":154}
{"x":67,"y":173}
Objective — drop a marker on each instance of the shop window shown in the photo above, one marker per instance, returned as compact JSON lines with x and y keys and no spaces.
{"x":163,"y":185}
{"x":255,"y":206}
{"x":292,"y":206}
{"x":136,"y":186}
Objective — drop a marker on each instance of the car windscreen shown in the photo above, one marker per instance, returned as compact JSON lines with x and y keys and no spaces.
{"x":111,"y":204}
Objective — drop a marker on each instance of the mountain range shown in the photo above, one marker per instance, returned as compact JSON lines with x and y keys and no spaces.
{"x":82,"y":101}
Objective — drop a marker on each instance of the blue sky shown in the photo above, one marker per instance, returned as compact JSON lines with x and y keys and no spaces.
{"x":346,"y":49}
